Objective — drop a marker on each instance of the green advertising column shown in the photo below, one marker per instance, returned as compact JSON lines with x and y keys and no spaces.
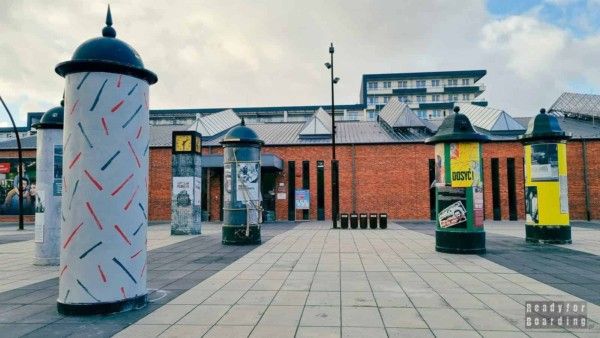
{"x":546,"y":190}
{"x":458,"y":186}
{"x":241,"y":186}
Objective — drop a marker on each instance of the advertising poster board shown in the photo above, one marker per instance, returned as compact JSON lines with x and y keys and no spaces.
{"x":248,"y":175}
{"x":9,"y":196}
{"x":227,"y":180}
{"x":452,"y":206}
{"x":58,"y":157}
{"x":544,"y":162}
{"x":197,"y":191}
{"x":478,"y":207}
{"x":465,"y":164}
{"x":302,"y":199}
{"x":182,"y":191}
{"x":564,"y":194}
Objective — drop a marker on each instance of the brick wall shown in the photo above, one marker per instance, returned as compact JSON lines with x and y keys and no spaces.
{"x":391,"y":178}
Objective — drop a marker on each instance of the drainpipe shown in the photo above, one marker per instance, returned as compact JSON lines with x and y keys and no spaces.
{"x":585,"y":179}
{"x":353,"y":179}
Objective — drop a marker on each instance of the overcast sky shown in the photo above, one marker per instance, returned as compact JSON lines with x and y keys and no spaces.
{"x":268,"y":53}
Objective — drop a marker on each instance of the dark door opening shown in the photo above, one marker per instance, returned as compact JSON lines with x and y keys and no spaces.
{"x":320,"y":190}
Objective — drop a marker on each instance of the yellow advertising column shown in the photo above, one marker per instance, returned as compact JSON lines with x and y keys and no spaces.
{"x":458,"y":186}
{"x":546,"y":188}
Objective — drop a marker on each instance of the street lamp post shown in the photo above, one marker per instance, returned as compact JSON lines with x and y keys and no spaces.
{"x":20,"y":164}
{"x":335,"y":190}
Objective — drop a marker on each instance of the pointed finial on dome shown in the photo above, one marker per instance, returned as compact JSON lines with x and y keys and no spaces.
{"x":108,"y":31}
{"x":542,"y":111}
{"x":456,"y":109}
{"x":243,"y":122}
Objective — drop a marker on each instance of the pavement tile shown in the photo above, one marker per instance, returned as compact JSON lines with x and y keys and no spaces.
{"x":456,"y":333}
{"x":361,"y":317}
{"x":167,"y":314}
{"x":229,"y":331}
{"x":262,"y":331}
{"x":323,"y":298}
{"x":482,"y":319}
{"x":392,"y":299}
{"x":142,"y":330}
{"x":321,"y":332}
{"x":243,"y":315}
{"x":290,"y":298}
{"x":443,"y":319}
{"x":177,"y":330}
{"x":281,"y":316}
{"x":254,"y":297}
{"x":402,"y":317}
{"x":204,"y":315}
{"x":361,"y":332}
{"x":321,"y":316}
{"x":395,"y":332}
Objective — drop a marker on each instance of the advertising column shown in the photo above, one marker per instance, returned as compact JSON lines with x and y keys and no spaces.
{"x":49,"y":187}
{"x":186,"y":207}
{"x":459,"y":186}
{"x":546,"y":185}
{"x":105,"y":169}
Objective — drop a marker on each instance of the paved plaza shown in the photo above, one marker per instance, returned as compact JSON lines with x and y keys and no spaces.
{"x":307,"y":280}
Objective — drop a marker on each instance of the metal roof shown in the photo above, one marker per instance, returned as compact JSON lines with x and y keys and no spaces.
{"x":397,"y":115}
{"x":319,"y":124}
{"x":577,"y":104}
{"x":213,"y":124}
{"x":27,"y":142}
{"x":490,"y":119}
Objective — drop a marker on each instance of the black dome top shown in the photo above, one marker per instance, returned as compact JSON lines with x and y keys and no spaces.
{"x":241,"y":134}
{"x":544,"y":127}
{"x":456,"y":128}
{"x":106,"y":54}
{"x":52,"y":119}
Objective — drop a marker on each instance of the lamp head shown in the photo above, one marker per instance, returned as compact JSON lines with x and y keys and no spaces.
{"x":336,"y":80}
{"x":328,"y":65}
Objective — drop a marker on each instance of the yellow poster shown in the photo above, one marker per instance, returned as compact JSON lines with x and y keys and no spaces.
{"x":465,"y":164}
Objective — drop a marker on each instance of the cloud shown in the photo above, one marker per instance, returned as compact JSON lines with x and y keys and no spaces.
{"x":267,"y":53}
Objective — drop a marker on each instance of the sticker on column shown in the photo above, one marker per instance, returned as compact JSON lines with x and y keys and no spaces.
{"x":227,"y":179}
{"x":197,"y":190}
{"x":564,"y":194}
{"x":39,"y":217}
{"x":247,"y":181}
{"x":478,"y":207}
{"x":57,"y":184}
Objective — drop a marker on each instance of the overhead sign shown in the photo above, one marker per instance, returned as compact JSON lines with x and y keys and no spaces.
{"x":303,"y":199}
{"x":4,"y":168}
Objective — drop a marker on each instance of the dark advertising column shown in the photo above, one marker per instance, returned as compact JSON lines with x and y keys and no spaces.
{"x":241,"y":186}
{"x":546,"y":188}
{"x":49,"y":187}
{"x":105,"y":168}
{"x":458,"y":186}
{"x":186,"y":207}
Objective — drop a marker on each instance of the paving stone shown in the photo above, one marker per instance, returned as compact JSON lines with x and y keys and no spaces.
{"x":443,"y":319}
{"x":204,"y":315}
{"x":219,"y":331}
{"x":395,"y":332}
{"x":402,"y":317}
{"x":177,"y":331}
{"x":142,"y":330}
{"x":361,"y":317}
{"x":320,"y":316}
{"x":243,"y":315}
{"x":360,"y":332}
{"x":321,"y":332}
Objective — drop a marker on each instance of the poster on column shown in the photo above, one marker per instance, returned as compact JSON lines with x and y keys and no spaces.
{"x":531,"y":205}
{"x":227,"y":182}
{"x":440,"y":169}
{"x":197,"y":190}
{"x":564,"y":194}
{"x":465,"y":164}
{"x":58,"y":157}
{"x":182,"y":191}
{"x":544,"y":162}
{"x":39,"y":218}
{"x":478,"y":207}
{"x":248,"y":174}
{"x":452,"y":202}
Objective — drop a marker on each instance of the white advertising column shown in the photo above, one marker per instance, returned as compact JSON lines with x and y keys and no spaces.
{"x":105,"y":205}
{"x":49,"y":187}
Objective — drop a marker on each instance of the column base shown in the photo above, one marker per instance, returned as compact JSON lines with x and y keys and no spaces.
{"x":548,"y":234}
{"x":236,"y":235}
{"x":460,"y":242}
{"x":135,"y":303}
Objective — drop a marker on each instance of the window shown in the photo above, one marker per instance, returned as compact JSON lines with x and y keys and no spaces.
{"x":370,"y":100}
{"x":404,"y":99}
{"x":387,"y":84}
{"x":466,"y":82}
{"x":453,"y":97}
{"x":386,"y":99}
{"x":435,"y":98}
{"x":452,"y":82}
{"x":435,"y":83}
{"x":466,"y":97}
{"x":372,"y":85}
{"x":420,"y":98}
{"x":437,"y":113}
{"x":420,"y":83}
{"x":402,"y":84}
{"x":422,"y":113}
{"x":372,"y":115}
